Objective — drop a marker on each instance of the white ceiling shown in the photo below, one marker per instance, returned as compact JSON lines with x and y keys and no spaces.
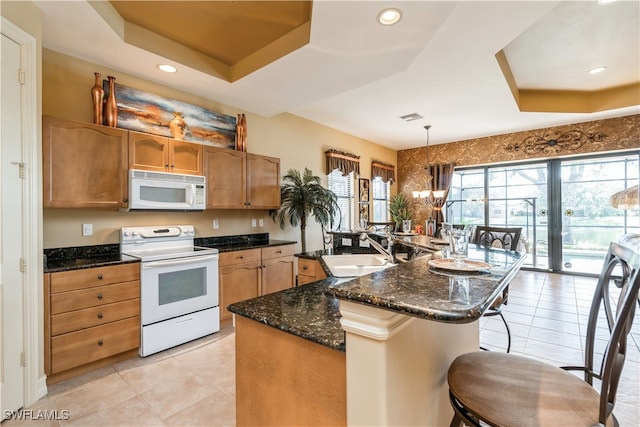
{"x":359,"y":77}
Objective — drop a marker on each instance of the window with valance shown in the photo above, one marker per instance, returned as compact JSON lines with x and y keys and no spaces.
{"x":384,"y":171}
{"x":341,"y":171}
{"x":345,"y":162}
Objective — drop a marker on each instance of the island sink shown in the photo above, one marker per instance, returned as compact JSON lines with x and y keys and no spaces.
{"x":353,"y":265}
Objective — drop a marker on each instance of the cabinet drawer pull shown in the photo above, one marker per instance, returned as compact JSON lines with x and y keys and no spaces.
{"x":241,"y":257}
{"x":278,"y":252}
{"x":304,"y":267}
{"x":99,"y":276}
{"x":100,"y":295}
{"x":100,"y":342}
{"x":99,"y":315}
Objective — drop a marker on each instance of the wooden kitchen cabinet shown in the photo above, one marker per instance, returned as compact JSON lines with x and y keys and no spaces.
{"x":238,"y":278}
{"x":250,"y":273}
{"x":278,"y":268}
{"x":84,"y":165}
{"x":90,"y":315}
{"x":226,"y":178}
{"x":160,"y":154}
{"x":263,"y":182}
{"x":239,"y":180}
{"x":309,"y":270}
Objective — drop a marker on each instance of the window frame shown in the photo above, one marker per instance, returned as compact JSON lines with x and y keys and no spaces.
{"x":334,"y":180}
{"x":376,"y":184}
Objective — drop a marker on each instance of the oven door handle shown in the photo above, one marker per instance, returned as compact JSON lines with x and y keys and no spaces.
{"x":180,"y":261}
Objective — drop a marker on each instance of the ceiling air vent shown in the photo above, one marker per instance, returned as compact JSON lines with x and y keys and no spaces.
{"x":411,"y":117}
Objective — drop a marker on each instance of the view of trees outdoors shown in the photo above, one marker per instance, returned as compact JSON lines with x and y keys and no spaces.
{"x":518,"y":196}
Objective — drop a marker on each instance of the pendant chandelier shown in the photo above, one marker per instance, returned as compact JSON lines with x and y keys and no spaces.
{"x":625,"y":199}
{"x":429,"y":195}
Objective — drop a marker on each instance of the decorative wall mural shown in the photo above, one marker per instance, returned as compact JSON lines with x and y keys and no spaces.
{"x":145,"y":112}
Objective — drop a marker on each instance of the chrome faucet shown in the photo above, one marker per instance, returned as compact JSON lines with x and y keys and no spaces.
{"x":388,"y":253}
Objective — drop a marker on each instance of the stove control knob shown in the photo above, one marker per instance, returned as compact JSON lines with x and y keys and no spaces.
{"x":134,"y":234}
{"x":127,"y":233}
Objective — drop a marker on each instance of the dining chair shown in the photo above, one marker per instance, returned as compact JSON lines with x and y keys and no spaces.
{"x":501,"y":389}
{"x":501,"y":237}
{"x":497,"y":237}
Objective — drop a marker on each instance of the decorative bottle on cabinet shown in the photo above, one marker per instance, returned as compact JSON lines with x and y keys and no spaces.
{"x":241,"y":133}
{"x":177,"y":126}
{"x":111,"y":108}
{"x":97,"y":94}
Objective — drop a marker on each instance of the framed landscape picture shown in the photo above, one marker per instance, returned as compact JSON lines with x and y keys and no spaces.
{"x":145,"y":112}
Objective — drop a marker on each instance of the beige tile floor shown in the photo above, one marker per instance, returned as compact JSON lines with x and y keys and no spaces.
{"x":193,"y":385}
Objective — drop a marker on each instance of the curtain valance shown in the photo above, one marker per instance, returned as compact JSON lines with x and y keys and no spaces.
{"x":345,"y":162}
{"x":384,"y":171}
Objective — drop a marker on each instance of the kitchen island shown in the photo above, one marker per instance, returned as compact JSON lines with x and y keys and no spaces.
{"x":390,"y":337}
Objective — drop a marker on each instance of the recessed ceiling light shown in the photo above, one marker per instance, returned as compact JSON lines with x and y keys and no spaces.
{"x":389,"y":16}
{"x":167,"y":68}
{"x":596,"y":70}
{"x":602,"y":2}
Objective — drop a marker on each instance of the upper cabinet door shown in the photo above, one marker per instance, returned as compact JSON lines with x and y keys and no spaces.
{"x":148,"y":152}
{"x":263,"y":182}
{"x":225,"y":171}
{"x":185,"y":157}
{"x":84,"y":165}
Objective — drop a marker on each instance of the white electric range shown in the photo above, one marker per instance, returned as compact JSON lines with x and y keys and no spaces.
{"x":178,"y":285}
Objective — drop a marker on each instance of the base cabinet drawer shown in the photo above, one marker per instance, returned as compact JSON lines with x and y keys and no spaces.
{"x":87,"y":345}
{"x":92,"y":297}
{"x":94,"y":316}
{"x":309,"y":270}
{"x":99,"y":276}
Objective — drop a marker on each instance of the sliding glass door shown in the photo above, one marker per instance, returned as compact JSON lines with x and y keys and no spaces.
{"x":589,"y":220}
{"x":562,"y":205}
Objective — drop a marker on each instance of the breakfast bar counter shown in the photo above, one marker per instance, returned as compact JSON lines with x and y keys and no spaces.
{"x":387,"y":337}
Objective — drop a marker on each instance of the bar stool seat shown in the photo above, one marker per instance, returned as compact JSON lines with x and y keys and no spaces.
{"x":509,"y":390}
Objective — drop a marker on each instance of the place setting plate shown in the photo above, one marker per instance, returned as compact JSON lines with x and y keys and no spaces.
{"x":468,"y":266}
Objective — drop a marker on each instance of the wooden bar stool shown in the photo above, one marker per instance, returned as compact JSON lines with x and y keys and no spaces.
{"x":514,"y":391}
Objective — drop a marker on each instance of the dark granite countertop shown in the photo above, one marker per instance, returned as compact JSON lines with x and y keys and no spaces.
{"x":75,"y":258}
{"x":305,"y":311}
{"x":207,"y":243}
{"x":417,"y":290}
{"x":312,"y":311}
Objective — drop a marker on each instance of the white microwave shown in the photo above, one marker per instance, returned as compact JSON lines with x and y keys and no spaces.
{"x":166,"y":191}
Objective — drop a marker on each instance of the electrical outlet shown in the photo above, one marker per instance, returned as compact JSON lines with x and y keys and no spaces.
{"x":216,"y":224}
{"x":364,"y":243}
{"x":253,"y":222}
{"x":346,"y":242}
{"x":261,"y":222}
{"x":87,"y":229}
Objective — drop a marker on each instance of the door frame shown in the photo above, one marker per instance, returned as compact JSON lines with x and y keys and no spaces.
{"x":35,"y":385}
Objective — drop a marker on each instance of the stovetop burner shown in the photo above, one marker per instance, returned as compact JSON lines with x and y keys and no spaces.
{"x":161,"y":242}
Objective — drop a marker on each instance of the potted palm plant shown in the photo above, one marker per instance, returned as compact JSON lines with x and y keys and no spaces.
{"x":302,"y":196}
{"x":400,"y":209}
